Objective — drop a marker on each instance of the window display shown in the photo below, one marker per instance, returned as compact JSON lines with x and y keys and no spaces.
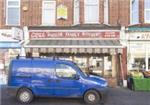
{"x":107,"y":66}
{"x":96,"y":65}
{"x":139,"y":63}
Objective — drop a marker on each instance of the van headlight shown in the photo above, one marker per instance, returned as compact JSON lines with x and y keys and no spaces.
{"x":105,"y":84}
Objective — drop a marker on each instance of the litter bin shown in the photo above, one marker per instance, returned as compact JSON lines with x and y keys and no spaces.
{"x":130,"y":82}
{"x":141,"y":84}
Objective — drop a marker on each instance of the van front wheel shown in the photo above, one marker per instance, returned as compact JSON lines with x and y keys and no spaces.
{"x":24,"y":95}
{"x":92,"y":97}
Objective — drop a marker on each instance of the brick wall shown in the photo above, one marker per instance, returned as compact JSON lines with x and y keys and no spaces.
{"x":1,"y":13}
{"x":113,"y":12}
{"x":124,"y":63}
{"x":124,"y":12}
{"x":33,"y":15}
{"x":119,"y":12}
{"x":69,"y":21}
{"x":81,"y":11}
{"x":101,"y":11}
{"x":141,"y":11}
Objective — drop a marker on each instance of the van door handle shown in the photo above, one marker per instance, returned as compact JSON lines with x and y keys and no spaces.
{"x":23,"y":76}
{"x":57,"y":80}
{"x":49,"y":80}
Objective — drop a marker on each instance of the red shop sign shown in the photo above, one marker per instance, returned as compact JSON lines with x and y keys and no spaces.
{"x":73,"y":34}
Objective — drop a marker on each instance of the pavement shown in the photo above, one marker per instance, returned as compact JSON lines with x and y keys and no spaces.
{"x":116,"y":96}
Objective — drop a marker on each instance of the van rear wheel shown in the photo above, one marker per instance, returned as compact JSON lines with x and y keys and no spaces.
{"x":92,"y":97}
{"x":24,"y":95}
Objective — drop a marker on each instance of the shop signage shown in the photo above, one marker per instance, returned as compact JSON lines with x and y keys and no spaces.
{"x":73,"y":34}
{"x":145,"y":36}
{"x":9,"y":45}
{"x":6,"y":35}
{"x":139,"y":36}
{"x":13,"y":34}
{"x":9,"y":38}
{"x":17,"y":33}
{"x":62,"y":12}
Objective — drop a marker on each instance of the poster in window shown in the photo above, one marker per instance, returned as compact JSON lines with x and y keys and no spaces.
{"x":62,"y":12}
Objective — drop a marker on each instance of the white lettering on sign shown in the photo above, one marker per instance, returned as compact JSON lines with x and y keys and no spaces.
{"x":139,"y":36}
{"x":145,"y":36}
{"x":6,"y":35}
{"x":73,"y":34}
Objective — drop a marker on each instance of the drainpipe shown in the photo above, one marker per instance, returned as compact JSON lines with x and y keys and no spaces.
{"x":25,"y":38}
{"x":22,"y":51}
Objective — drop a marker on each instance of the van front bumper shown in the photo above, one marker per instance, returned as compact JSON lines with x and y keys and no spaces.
{"x":11,"y":90}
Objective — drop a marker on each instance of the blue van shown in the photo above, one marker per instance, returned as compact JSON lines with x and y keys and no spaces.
{"x":32,"y":77}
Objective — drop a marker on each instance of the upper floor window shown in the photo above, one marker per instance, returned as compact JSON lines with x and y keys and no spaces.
{"x":49,"y":12}
{"x":91,"y":11}
{"x":134,"y":19}
{"x":76,"y":11}
{"x":147,"y":11}
{"x":13,"y":12}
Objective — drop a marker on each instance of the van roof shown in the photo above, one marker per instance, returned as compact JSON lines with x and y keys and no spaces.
{"x":43,"y":59}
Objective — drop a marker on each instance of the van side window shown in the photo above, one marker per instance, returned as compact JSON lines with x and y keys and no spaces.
{"x":65,"y":71}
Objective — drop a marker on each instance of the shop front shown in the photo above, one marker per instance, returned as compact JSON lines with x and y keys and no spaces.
{"x":138,"y":48}
{"x":9,"y":46}
{"x":9,"y":49}
{"x":98,"y":52}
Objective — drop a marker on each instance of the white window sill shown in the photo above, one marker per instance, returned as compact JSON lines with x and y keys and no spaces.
{"x":148,"y":21}
{"x":12,"y":25}
{"x":48,"y":25}
{"x":91,"y":23}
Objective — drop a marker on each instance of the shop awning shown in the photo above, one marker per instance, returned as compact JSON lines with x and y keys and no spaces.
{"x":74,"y":46}
{"x":7,"y":45}
{"x":138,"y":29}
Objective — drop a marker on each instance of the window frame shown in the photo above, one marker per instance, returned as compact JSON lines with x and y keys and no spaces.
{"x":131,"y":13}
{"x":75,"y":7}
{"x":146,"y":9}
{"x":87,"y":4}
{"x":145,"y":15}
{"x":7,"y":6}
{"x":68,"y":78}
{"x":43,"y":8}
{"x":106,"y":11}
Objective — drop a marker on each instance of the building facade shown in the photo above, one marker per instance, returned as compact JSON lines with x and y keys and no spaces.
{"x":36,"y":12}
{"x":90,"y":32}
{"x":138,"y":43}
{"x":137,"y":36}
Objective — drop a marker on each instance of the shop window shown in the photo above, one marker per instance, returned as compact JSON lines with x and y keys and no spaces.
{"x":147,"y":11}
{"x":49,"y":12}
{"x":139,"y":64}
{"x":91,"y":11}
{"x":13,"y":12}
{"x":82,"y":63}
{"x":76,"y":11}
{"x":134,"y":12}
{"x":96,"y":66}
{"x":107,"y":66}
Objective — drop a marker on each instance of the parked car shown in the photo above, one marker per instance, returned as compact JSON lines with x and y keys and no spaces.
{"x":30,"y":77}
